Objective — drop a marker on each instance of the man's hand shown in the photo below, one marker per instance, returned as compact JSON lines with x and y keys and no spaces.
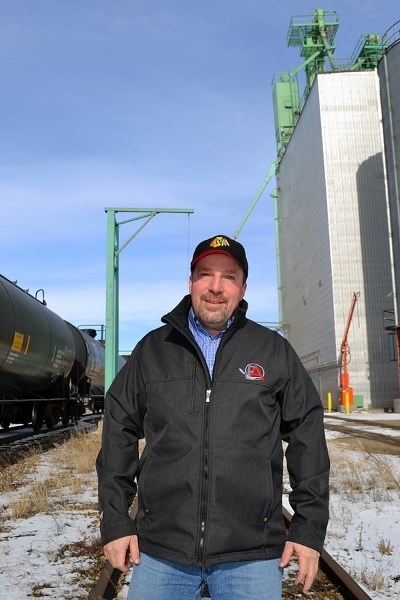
{"x":308,"y":563}
{"x":123,"y":552}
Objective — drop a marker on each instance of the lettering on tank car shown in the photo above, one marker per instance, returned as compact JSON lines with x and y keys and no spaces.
{"x":58,"y":360}
{"x":11,"y":357}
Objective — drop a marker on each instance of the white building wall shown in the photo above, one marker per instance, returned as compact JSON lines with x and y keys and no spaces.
{"x":334,"y":237}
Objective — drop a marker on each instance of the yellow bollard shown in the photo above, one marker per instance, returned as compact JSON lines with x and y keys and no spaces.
{"x":347,"y":402}
{"x":329,"y":405}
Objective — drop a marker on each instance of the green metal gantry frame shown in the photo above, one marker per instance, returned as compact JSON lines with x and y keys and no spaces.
{"x":112,"y":278}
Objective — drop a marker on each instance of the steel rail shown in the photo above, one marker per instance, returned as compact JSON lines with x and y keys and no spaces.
{"x":365,"y":435}
{"x":385,"y":424}
{"x":106,"y":585}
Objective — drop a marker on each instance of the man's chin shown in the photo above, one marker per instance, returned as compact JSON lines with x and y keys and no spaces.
{"x":213,"y":322}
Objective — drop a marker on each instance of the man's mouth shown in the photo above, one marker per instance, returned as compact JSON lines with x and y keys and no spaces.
{"x":214,"y":301}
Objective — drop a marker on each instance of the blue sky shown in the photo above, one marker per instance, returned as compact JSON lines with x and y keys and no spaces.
{"x":150,"y":103}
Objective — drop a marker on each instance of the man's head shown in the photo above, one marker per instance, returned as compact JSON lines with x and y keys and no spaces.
{"x":218,"y":281}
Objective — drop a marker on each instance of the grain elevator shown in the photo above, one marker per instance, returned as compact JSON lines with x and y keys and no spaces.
{"x":336,"y":267}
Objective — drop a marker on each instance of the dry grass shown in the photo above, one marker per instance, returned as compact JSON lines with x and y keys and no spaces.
{"x":375,"y":580}
{"x":385,"y":547}
{"x":79,"y":453}
{"x":80,"y":548}
{"x":34,"y":501}
{"x":383,"y":469}
{"x":371,"y":474}
{"x":70,"y":462}
{"x":13,"y":474}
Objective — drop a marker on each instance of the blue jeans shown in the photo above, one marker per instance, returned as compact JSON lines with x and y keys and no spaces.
{"x":156,"y":579}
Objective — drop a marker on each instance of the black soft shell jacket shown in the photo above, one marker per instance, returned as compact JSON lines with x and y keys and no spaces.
{"x":210,"y":478}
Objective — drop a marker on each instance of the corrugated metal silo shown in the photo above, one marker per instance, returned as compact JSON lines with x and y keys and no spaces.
{"x":389,"y":78}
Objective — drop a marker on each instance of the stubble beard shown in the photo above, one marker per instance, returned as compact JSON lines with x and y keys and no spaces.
{"x":213,"y":319}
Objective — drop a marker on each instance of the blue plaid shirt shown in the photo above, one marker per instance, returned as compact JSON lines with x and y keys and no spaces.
{"x":208,"y":343}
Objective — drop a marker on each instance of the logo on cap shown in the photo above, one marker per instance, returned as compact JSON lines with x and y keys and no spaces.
{"x":219,"y":242}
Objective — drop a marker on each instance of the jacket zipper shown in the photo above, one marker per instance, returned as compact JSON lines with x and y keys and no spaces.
{"x":205,"y":483}
{"x":204,"y":493}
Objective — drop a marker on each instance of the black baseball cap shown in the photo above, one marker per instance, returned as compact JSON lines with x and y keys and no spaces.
{"x":221,"y":244}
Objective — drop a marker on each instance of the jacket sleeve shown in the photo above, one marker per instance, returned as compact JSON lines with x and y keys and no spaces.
{"x":118,"y":459}
{"x":306,"y":455}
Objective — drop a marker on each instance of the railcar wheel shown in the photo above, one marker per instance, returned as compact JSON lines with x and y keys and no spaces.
{"x":5,"y":423}
{"x":50,"y":416}
{"x":37,"y":417}
{"x":65,"y":414}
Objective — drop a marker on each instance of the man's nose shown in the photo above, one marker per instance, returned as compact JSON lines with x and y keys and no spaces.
{"x":215,"y":284}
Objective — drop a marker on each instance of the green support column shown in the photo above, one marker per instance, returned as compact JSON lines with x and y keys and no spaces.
{"x":112,"y":279}
{"x":112,"y":299}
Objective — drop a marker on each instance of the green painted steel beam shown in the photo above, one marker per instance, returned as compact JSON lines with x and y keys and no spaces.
{"x":112,"y":299}
{"x":112,"y":278}
{"x":277,"y":221}
{"x":270,"y":174}
{"x":152,"y":210}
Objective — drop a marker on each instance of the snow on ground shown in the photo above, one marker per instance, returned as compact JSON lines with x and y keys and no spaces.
{"x":363,"y":533}
{"x":30,"y":561}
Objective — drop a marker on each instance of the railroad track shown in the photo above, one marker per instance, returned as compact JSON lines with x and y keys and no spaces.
{"x":16,"y":442}
{"x":382,"y":424}
{"x":367,"y":435}
{"x":343,"y":585}
{"x":18,"y":432}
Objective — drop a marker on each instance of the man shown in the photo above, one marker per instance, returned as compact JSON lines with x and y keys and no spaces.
{"x":213,"y":394}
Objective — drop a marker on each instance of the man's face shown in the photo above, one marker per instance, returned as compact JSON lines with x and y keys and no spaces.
{"x":216,"y":287}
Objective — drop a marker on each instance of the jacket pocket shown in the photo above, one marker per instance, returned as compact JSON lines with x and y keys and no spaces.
{"x":269,"y":499}
{"x":168,"y":398}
